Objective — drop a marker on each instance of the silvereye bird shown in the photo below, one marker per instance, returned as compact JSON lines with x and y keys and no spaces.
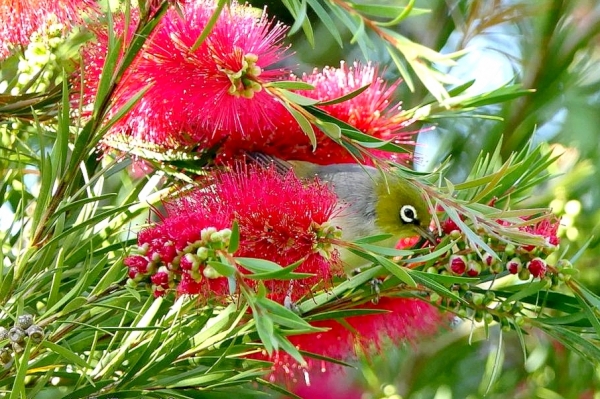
{"x":373,"y":203}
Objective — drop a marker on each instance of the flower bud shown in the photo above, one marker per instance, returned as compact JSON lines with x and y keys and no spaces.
{"x":488,"y":318}
{"x":206,"y":233}
{"x":478,"y":315}
{"x":449,"y":226}
{"x":564,"y":264}
{"x":202,"y":253}
{"x":537,"y":267}
{"x":489,"y":259}
{"x":478,"y":298}
{"x":509,"y":249}
{"x":514,"y":266}
{"x":210,"y":272}
{"x":489,"y":297}
{"x":524,"y":274}
{"x":24,"y":321}
{"x":35,"y":333}
{"x":473,"y":268}
{"x":497,"y":268}
{"x":457,"y":264}
{"x":16,"y":334}
{"x":3,"y":333}
{"x":225,"y":235}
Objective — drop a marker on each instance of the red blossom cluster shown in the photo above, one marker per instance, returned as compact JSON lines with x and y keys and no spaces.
{"x":524,"y":260}
{"x":216,"y":94}
{"x":21,"y":18}
{"x":280,"y":219}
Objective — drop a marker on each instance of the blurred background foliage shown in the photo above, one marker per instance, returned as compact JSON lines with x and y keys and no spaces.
{"x":553,"y":47}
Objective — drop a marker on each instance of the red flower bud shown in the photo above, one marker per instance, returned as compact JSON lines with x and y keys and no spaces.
{"x":514,"y":266}
{"x":458,"y":264}
{"x":161,"y":279}
{"x":473,"y":268}
{"x":537,"y":267}
{"x":448,"y":226}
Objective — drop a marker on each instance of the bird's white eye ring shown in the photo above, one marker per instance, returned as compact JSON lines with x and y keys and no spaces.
{"x":408,"y":214}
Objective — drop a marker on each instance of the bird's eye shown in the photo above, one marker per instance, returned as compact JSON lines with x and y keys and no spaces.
{"x":408,"y":214}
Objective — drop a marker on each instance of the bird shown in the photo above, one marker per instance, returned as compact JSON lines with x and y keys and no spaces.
{"x":373,"y":201}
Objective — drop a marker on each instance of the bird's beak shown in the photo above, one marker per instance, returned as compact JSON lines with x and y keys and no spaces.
{"x":426,"y":234}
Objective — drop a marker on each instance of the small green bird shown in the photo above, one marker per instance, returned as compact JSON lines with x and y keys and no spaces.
{"x":374,"y":203}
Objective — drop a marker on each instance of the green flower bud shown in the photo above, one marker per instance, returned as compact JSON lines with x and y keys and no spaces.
{"x":524,"y":274}
{"x":202,"y":253}
{"x":206,"y":233}
{"x":489,"y":297}
{"x":478,"y":315}
{"x":488,"y":318}
{"x":210,"y":272}
{"x":510,"y":249}
{"x":564,"y":264}
{"x":478,"y":298}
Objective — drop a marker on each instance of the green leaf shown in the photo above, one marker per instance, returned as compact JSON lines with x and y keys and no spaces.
{"x":399,"y":271}
{"x":428,"y":280}
{"x":290,"y":85}
{"x":21,"y":364}
{"x":532,"y":288}
{"x":222,"y":268}
{"x":372,"y":239}
{"x":67,"y":354}
{"x":344,"y":313}
{"x":297,"y":98}
{"x":256,"y":265}
{"x":285,"y":317}
{"x":326,"y":20}
{"x":345,"y":97}
{"x":304,"y":124}
{"x":387,"y":251}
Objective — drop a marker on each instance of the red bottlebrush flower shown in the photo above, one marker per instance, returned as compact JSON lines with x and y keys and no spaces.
{"x":546,"y":228}
{"x":371,"y":112}
{"x":24,"y":17}
{"x":94,"y":53}
{"x":207,"y":94}
{"x":537,"y":267}
{"x":280,"y":218}
{"x":407,"y":320}
{"x":449,"y":225}
{"x":339,"y":385}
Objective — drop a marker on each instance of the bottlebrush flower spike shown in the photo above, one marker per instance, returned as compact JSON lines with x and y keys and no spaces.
{"x":371,"y":112}
{"x":280,"y":218}
{"x":21,"y":18}
{"x":202,"y":95}
{"x":407,"y":320}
